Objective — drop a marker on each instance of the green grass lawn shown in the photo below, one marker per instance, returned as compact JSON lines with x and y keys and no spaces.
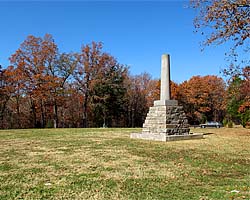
{"x":107,"y":164}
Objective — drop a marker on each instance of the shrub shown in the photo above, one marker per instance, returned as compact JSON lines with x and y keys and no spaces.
{"x":230,"y":124}
{"x":49,"y":124}
{"x":225,"y":122}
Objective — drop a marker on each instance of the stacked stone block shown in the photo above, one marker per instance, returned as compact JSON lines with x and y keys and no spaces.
{"x":167,"y":120}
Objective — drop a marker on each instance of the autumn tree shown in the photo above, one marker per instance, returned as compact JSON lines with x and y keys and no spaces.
{"x":71,"y":112}
{"x":202,"y":98}
{"x":141,"y":93}
{"x":100,"y":78}
{"x":6,"y":90}
{"x":224,"y":21}
{"x":244,"y":108}
{"x":33,"y":59}
{"x":4,"y":97}
{"x":12,"y":101}
{"x":137,"y":103}
{"x":175,"y":90}
{"x":84,"y":74}
{"x":238,"y":98}
{"x":59,"y":71}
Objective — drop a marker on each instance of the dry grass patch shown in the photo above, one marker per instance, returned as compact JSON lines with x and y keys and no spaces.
{"x":107,"y":164}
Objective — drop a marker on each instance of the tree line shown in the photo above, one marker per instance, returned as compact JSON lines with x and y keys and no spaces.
{"x":45,"y":88}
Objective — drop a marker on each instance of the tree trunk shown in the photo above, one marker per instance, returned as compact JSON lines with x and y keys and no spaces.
{"x":42,"y":114}
{"x":33,"y":113}
{"x":3,"y":107}
{"x":18,"y":111}
{"x":85,"y":104}
{"x":85,"y":114}
{"x":55,"y":115}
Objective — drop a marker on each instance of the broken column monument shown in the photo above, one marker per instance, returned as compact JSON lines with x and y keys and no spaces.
{"x":166,"y":120}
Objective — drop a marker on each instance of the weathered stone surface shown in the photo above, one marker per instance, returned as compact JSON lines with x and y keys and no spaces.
{"x":166,"y":119}
{"x":164,"y":137}
{"x":148,"y":136}
{"x":165,"y":77}
{"x":166,"y":123}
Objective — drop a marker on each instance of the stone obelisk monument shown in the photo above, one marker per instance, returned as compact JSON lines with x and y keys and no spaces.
{"x":166,"y":120}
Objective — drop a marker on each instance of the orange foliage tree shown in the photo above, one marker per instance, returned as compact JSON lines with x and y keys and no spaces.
{"x":33,"y":60}
{"x":202,"y":98}
{"x":227,"y":20}
{"x":6,"y":90}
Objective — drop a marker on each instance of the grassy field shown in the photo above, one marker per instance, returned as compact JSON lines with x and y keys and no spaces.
{"x":107,"y":164}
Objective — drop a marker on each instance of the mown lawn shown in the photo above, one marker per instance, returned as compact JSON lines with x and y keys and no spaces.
{"x":107,"y":164}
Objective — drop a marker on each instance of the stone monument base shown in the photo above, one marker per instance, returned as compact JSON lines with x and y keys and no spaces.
{"x":166,"y":121}
{"x":164,"y":137}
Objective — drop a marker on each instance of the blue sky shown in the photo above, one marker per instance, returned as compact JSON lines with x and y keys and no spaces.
{"x":137,"y":33}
